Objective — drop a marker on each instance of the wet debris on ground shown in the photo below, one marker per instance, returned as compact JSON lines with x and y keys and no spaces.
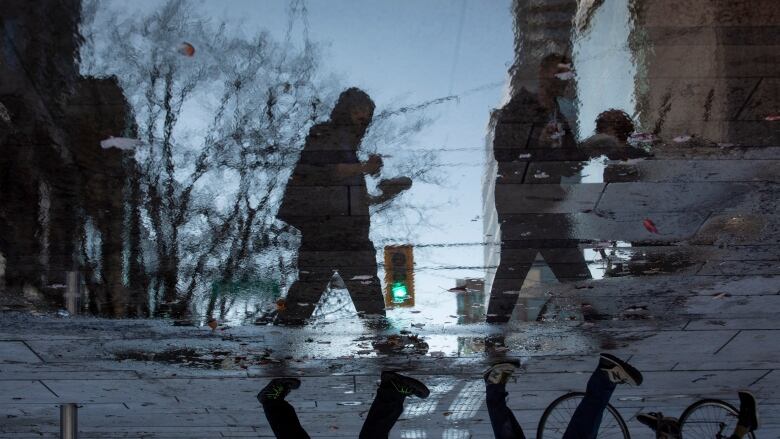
{"x":194,"y":358}
{"x":403,"y":343}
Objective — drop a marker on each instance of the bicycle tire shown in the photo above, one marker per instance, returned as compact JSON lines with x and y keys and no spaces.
{"x":620,"y":423}
{"x":686,"y":419}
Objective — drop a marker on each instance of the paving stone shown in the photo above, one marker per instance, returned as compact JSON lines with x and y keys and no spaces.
{"x":681,"y":197}
{"x":25,"y":391}
{"x":16,"y":352}
{"x":705,"y":170}
{"x":597,"y":226}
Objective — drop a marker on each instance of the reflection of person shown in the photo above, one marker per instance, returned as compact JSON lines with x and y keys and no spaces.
{"x":613,"y":129}
{"x":532,"y":126}
{"x":384,"y":412}
{"x":327,"y":200}
{"x":585,"y":422}
{"x":669,"y":428}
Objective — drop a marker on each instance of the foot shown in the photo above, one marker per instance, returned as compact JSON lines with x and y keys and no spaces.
{"x":277,"y":389}
{"x":618,"y":371}
{"x":664,"y":427}
{"x":651,"y":419}
{"x":748,"y":411}
{"x":404,"y":385}
{"x":499,"y":373}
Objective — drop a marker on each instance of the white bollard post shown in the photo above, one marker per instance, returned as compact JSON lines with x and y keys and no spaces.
{"x":69,"y":421}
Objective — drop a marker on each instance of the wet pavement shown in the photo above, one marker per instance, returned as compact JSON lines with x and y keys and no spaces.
{"x":623,"y":199}
{"x":692,"y":337}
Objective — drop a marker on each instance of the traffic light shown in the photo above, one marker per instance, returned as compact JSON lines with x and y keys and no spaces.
{"x":399,"y":276}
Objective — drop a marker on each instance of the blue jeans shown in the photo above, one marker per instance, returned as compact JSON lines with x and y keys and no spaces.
{"x":584,"y":423}
{"x":385,"y":410}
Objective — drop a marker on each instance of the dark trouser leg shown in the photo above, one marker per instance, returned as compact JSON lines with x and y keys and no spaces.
{"x":510,"y":276}
{"x":567,"y":263}
{"x":305,"y":293}
{"x":361,"y":281}
{"x":502,"y":419}
{"x":385,"y":410}
{"x":283,"y":420}
{"x":585,"y":421}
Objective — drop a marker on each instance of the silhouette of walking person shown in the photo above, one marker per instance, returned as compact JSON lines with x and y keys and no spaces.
{"x":533,"y":127}
{"x":326,"y":199}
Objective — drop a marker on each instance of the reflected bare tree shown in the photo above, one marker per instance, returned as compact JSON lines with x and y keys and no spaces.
{"x":220,"y":122}
{"x":217,"y":116}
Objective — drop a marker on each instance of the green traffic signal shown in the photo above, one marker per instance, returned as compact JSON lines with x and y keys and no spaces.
{"x":399,"y":292}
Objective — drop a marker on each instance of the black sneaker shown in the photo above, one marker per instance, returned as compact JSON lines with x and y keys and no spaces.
{"x":499,"y":373}
{"x":748,"y":411}
{"x":651,"y":419}
{"x":404,"y":385}
{"x":619,"y":371}
{"x":277,"y":389}
{"x":664,"y":427}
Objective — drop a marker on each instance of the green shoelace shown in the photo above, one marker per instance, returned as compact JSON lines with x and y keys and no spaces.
{"x":403,"y":390}
{"x":275,"y":392}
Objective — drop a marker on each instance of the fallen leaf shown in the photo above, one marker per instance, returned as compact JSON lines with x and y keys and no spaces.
{"x":650,"y":226}
{"x":212,"y":324}
{"x":773,"y":117}
{"x":186,"y":49}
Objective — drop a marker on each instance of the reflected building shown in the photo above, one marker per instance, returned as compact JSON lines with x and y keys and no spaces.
{"x":530,"y":150}
{"x":470,"y":299}
{"x":64,"y":198}
{"x":703,"y":75}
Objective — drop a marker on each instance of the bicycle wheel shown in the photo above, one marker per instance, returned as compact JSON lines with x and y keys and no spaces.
{"x":558,"y":414}
{"x":709,"y":419}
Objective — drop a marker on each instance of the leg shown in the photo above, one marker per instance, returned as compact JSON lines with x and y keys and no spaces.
{"x":505,"y":426}
{"x":362,"y":282}
{"x":389,"y":404}
{"x":385,"y":410}
{"x":510,"y":275}
{"x":585,"y":422}
{"x":283,"y":420}
{"x":567,"y":263}
{"x":280,"y":414}
{"x":305,"y":293}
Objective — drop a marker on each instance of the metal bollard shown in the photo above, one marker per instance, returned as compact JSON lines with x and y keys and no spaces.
{"x":69,"y":421}
{"x":73,"y":292}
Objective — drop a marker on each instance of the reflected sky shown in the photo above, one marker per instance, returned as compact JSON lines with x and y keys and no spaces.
{"x":604,"y":63}
{"x":404,"y":53}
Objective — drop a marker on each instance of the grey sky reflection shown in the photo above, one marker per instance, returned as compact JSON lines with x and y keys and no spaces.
{"x":403,"y":53}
